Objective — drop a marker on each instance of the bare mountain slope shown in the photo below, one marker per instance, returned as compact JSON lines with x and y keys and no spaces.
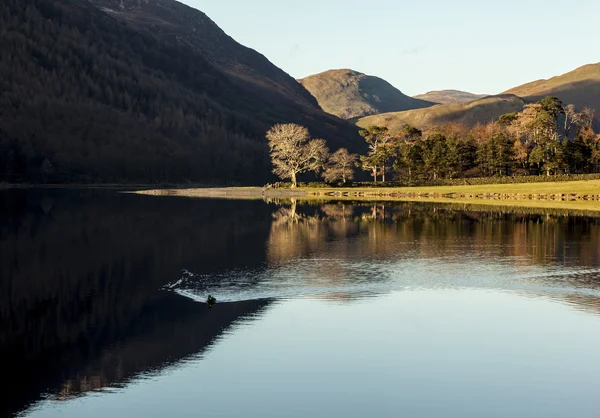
{"x":449,"y":96}
{"x":480,"y":111}
{"x":580,"y":87}
{"x":350,"y":94}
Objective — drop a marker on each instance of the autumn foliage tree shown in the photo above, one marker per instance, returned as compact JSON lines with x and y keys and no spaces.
{"x":294,"y":152}
{"x":546,"y":137}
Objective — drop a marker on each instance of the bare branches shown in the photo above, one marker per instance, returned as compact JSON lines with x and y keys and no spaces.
{"x":340,"y":166}
{"x":293,"y":153}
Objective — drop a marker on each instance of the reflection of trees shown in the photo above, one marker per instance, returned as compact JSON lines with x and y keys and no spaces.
{"x":80,"y":272}
{"x":289,"y":214}
{"x":340,"y":211}
{"x":386,"y":231}
{"x":335,"y":234}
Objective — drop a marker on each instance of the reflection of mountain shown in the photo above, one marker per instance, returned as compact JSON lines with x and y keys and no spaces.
{"x":172,"y":330}
{"x":81,"y":274}
{"x":585,"y":303}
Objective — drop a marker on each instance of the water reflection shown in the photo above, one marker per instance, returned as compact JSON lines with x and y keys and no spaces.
{"x":342,"y":250}
{"x":80,"y":282}
{"x":99,"y":288}
{"x":433,"y":230}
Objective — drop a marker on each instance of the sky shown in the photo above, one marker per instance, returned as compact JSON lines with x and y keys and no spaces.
{"x":479,"y":46}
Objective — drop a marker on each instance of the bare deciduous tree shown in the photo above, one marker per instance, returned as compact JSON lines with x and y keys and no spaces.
{"x":570,"y":118}
{"x":293,"y":152}
{"x":340,"y":166}
{"x":587,"y":117}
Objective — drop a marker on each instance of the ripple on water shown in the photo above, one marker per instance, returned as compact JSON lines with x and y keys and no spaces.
{"x":335,"y":278}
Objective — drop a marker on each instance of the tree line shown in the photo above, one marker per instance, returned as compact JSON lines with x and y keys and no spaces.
{"x":546,"y":138}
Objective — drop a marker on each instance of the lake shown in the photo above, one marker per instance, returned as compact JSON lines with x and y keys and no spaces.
{"x":324,"y":309}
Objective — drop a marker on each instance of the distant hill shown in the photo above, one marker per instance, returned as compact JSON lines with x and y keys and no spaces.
{"x":350,"y":94}
{"x":580,"y":87}
{"x":480,"y":111}
{"x":449,"y":96}
{"x":90,"y":98}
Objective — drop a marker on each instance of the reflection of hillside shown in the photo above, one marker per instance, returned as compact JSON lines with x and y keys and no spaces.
{"x":80,"y":300}
{"x":585,"y":303}
{"x":177,"y":329}
{"x":81,"y":272}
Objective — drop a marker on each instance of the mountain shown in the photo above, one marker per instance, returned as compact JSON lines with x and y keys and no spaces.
{"x":87,"y":97}
{"x":580,"y":87}
{"x":480,"y":111}
{"x":350,"y":94}
{"x":449,"y":96}
{"x":175,"y":22}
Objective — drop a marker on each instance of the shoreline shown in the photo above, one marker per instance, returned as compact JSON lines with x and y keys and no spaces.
{"x":569,"y":201}
{"x":572,"y":195}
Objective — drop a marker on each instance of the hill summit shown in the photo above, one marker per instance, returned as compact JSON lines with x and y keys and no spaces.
{"x":449,"y":96}
{"x":350,"y":94}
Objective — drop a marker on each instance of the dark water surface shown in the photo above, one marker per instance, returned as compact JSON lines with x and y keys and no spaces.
{"x":327,"y":310}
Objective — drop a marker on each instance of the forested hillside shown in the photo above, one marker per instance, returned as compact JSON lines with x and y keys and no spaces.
{"x":175,"y":22}
{"x":86,"y":98}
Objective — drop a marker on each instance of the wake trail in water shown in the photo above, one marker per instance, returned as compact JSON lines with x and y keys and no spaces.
{"x":343,"y":280}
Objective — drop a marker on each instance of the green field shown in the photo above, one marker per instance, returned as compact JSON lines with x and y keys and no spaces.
{"x":436,"y":194}
{"x":584,"y":187}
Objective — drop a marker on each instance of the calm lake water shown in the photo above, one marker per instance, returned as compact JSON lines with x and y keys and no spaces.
{"x":325,"y":310}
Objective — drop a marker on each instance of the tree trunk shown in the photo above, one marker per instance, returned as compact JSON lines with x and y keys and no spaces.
{"x":383,"y":174}
{"x":375,"y":175}
{"x":294,"y":182}
{"x":293,"y":210}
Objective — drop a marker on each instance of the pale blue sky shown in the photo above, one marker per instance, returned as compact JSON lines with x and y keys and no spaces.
{"x":479,"y":46}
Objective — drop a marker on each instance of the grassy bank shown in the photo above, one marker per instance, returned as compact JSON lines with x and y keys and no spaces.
{"x":572,"y":195}
{"x":582,"y":207}
{"x":579,"y":188}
